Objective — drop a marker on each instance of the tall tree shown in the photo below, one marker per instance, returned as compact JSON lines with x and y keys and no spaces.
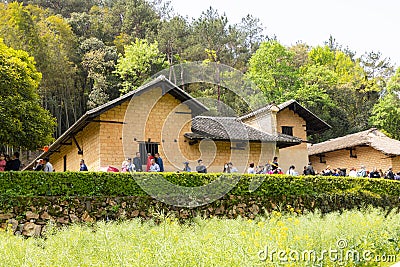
{"x":252,"y":29}
{"x":50,"y":40}
{"x":138,"y":18}
{"x":24,"y":122}
{"x":99,"y":62}
{"x":386,"y":113}
{"x":300,"y":51}
{"x":209,"y":31}
{"x":271,"y":68}
{"x":59,"y":88}
{"x":141,"y":60}
{"x":172,"y":38}
{"x":62,"y":7}
{"x":212,"y":32}
{"x":350,"y":86}
{"x":377,"y":68}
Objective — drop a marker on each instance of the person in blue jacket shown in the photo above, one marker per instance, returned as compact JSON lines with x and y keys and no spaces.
{"x":83,"y":166}
{"x":159,"y":161}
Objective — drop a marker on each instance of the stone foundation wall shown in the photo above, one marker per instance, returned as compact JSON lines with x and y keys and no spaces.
{"x":30,"y":216}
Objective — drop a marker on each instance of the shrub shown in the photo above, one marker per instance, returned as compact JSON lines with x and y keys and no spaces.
{"x":125,"y":184}
{"x":302,"y":192}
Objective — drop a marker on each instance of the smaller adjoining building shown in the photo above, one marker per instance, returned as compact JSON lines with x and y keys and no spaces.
{"x":370,"y":148}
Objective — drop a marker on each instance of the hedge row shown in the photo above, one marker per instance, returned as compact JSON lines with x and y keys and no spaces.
{"x":125,"y":184}
{"x":85,"y":196}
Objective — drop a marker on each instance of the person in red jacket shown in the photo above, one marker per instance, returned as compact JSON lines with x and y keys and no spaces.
{"x":3,"y":162}
{"x":149,"y":158}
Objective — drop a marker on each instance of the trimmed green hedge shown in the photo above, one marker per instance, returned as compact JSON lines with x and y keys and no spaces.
{"x":20,"y":191}
{"x":124,"y":184}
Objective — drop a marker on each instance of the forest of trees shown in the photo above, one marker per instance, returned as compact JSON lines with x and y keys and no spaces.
{"x":91,"y":51}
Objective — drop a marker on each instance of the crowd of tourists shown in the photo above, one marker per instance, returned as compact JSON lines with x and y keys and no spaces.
{"x":155,"y":164}
{"x":362,"y":172}
{"x":273,"y":168}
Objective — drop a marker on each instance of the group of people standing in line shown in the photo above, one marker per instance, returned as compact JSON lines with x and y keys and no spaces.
{"x":273,"y":168}
{"x":270,"y":168}
{"x":43,"y":165}
{"x":375,"y":173}
{"x":8,"y":163}
{"x":155,"y":164}
{"x":362,"y":172}
{"x":13,"y":163}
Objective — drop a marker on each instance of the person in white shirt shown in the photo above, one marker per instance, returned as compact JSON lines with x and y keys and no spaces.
{"x":232,"y":168}
{"x":47,"y":165}
{"x":353,"y":172}
{"x":292,"y":171}
{"x":251,"y":169}
{"x":154,"y":166}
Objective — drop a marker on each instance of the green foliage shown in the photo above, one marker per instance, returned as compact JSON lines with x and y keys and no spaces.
{"x":75,"y":79}
{"x":50,"y":40}
{"x":140,"y":20}
{"x":271,"y":69}
{"x":394,"y":82}
{"x":321,"y":78}
{"x":24,"y":122}
{"x":377,"y":67}
{"x":99,"y":62}
{"x":62,"y":7}
{"x":122,"y":184}
{"x":141,"y":60}
{"x":386,"y":115}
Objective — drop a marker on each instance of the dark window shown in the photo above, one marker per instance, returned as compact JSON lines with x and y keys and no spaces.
{"x":322,"y":158}
{"x":65,"y":163}
{"x":353,"y":152}
{"x":147,"y":147}
{"x":288,"y":130}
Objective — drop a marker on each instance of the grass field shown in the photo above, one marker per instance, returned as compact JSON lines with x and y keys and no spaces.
{"x":353,"y":238}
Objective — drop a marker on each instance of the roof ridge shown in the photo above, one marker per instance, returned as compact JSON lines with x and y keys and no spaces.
{"x":223,"y":117}
{"x":346,"y":136}
{"x":372,"y":137}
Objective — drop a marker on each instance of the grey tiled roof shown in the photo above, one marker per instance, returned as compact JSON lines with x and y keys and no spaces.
{"x":231,"y":128}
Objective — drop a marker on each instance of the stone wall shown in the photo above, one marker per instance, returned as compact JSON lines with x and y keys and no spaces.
{"x":30,"y":216}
